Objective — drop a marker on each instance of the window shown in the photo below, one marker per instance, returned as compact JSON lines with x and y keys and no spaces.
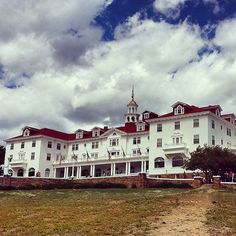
{"x":159,"y":142}
{"x":136,"y":140}
{"x":73,"y":147}
{"x":31,"y":172}
{"x":228,"y":131}
{"x":47,"y":172}
{"x":177,"y":140}
{"x":48,"y":156}
{"x":140,"y":128}
{"x":159,"y":127}
{"x":94,"y":155}
{"x":146,"y":115}
{"x":26,"y":132}
{"x":10,"y":158}
{"x":95,"y":133}
{"x":115,"y":153}
{"x":12,"y":146}
{"x":77,"y":146}
{"x":177,"y":161}
{"x":114,"y":142}
{"x":177,"y":124}
{"x":222,"y":142}
{"x":196,"y":139}
{"x":179,"y":110}
{"x":94,"y":145}
{"x":32,"y":156}
{"x":22,"y":145}
{"x":49,"y":144}
{"x":58,"y":146}
{"x":213,"y":142}
{"x":212,"y":124}
{"x":137,"y":152}
{"x":33,"y":143}
{"x":79,"y":135}
{"x":159,"y":162}
{"x":195,"y":123}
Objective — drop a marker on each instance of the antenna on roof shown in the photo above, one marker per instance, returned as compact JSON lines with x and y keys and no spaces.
{"x":132,"y":95}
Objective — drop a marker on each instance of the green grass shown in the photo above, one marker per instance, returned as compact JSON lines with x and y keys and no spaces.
{"x":84,"y":212}
{"x":223,"y":213}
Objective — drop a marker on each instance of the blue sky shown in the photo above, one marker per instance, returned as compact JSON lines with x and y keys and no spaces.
{"x":71,"y":64}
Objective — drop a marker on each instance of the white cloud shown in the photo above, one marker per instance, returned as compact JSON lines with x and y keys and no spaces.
{"x":225,"y":37}
{"x":160,"y":59}
{"x":169,"y":7}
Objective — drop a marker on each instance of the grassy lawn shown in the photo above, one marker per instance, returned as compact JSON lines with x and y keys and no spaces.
{"x":223,"y":213}
{"x":84,"y":212}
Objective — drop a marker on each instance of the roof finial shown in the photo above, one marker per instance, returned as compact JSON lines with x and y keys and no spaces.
{"x":132,"y":96}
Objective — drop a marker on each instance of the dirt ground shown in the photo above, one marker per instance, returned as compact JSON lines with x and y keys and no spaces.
{"x":189,"y":218}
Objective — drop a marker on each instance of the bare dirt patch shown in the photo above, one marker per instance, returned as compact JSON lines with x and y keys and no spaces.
{"x":189,"y":217}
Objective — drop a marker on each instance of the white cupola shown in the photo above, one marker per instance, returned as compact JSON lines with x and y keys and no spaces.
{"x":132,"y":110}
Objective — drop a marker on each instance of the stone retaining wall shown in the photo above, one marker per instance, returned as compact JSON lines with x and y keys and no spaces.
{"x":140,"y":181}
{"x":218,"y":184}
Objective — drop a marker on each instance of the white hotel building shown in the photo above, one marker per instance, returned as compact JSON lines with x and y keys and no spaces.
{"x":147,"y":143}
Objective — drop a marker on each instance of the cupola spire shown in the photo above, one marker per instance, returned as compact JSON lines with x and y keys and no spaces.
{"x":132,"y":113}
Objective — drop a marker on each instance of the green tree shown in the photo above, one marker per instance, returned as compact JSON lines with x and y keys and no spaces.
{"x":215,"y":160}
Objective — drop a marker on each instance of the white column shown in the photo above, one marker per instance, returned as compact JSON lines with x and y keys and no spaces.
{"x":111,"y":169}
{"x":54,"y":172}
{"x":128,"y":168}
{"x":114,"y":168}
{"x":72,"y":171}
{"x":145,"y":167}
{"x":93,"y":172}
{"x":66,"y":172}
{"x":142,"y":166}
{"x":79,"y":171}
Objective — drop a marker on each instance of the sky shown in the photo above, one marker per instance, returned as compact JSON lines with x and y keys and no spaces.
{"x":70,"y":64}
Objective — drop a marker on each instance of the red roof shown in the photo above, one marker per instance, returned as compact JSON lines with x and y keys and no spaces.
{"x":131,"y":127}
{"x":192,"y":109}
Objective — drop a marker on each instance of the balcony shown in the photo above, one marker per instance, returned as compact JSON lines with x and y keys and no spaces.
{"x":175,"y":149}
{"x":18,"y":163}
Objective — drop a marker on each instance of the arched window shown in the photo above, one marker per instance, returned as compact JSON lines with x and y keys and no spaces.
{"x":133,"y":118}
{"x":26,"y":132}
{"x":10,"y":172}
{"x":20,"y":172}
{"x":179,"y":110}
{"x":31,"y":172}
{"x":159,"y":162}
{"x":128,"y":119}
{"x":47,"y":172}
{"x":177,"y":161}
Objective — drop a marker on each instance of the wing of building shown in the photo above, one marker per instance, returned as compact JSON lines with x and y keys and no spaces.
{"x":147,"y":143}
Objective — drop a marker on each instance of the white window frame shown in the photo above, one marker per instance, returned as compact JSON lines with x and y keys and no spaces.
{"x":95,"y":145}
{"x":159,"y":127}
{"x":159,"y":142}
{"x":179,"y":110}
{"x":196,"y":139}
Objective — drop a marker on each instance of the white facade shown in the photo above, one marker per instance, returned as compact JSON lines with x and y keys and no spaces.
{"x":156,"y":145}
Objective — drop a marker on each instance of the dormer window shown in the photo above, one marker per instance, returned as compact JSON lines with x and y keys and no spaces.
{"x":26,"y":132}
{"x":146,"y":115}
{"x":96,"y":133}
{"x":140,"y":127}
{"x":217,"y":112}
{"x":179,"y":110}
{"x":79,"y":135}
